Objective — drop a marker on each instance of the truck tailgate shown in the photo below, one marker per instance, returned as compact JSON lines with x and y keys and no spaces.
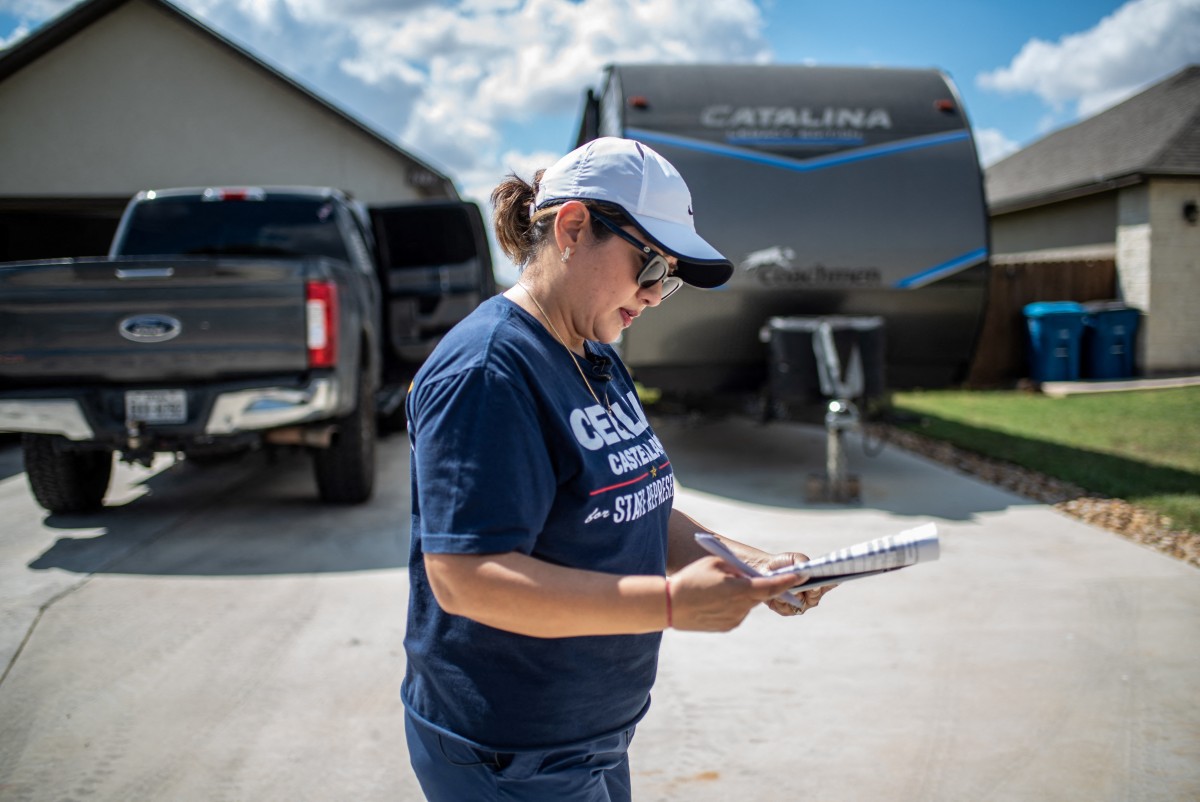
{"x":130,"y":320}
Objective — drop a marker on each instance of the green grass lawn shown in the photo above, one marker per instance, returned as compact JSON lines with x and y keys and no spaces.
{"x":1143,"y":447}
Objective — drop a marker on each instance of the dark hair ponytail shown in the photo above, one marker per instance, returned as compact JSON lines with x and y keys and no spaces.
{"x":521,"y":235}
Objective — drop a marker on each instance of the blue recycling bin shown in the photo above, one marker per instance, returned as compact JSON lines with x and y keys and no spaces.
{"x":1055,"y":334}
{"x":1109,"y":340}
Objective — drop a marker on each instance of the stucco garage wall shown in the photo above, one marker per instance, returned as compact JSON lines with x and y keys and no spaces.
{"x":141,"y":99}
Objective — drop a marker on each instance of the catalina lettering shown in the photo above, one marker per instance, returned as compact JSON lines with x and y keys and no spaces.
{"x":861,"y":119}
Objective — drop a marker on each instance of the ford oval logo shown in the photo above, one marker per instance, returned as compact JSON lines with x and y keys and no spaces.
{"x":150,"y":328}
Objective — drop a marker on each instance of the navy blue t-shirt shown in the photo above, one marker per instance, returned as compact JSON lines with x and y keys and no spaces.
{"x":511,"y":453}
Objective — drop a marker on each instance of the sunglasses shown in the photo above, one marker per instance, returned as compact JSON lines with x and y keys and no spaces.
{"x":654,"y":269}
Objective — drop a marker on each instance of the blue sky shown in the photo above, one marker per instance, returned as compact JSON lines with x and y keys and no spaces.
{"x":481,"y":87}
{"x":965,"y":39}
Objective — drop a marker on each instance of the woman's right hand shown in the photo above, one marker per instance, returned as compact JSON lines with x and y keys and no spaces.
{"x":709,"y":595}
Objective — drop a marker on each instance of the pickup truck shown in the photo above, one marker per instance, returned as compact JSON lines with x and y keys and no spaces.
{"x":230,"y":319}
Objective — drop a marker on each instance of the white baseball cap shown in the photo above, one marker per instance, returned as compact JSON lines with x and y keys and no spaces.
{"x":650,"y":191}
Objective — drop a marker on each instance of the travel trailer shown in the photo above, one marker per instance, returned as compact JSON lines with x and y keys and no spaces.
{"x":835,"y":191}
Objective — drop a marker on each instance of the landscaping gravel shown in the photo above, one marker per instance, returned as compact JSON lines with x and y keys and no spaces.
{"x":1136,"y":523}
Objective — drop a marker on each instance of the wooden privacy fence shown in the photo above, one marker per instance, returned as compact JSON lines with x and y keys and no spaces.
{"x":1000,"y":354}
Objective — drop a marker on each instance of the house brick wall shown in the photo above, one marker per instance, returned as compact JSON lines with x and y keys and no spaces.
{"x":1172,"y":336}
{"x":1133,"y":247}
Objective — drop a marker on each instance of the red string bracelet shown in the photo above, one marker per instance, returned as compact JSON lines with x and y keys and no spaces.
{"x":667,"y":588}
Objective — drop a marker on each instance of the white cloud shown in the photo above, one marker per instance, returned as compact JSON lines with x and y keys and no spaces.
{"x":29,"y":14}
{"x":35,"y":10}
{"x":261,"y":11}
{"x":18,"y":33}
{"x":993,"y":145}
{"x":484,"y":63}
{"x":1048,"y":122}
{"x":527,"y":164}
{"x":1139,"y":43}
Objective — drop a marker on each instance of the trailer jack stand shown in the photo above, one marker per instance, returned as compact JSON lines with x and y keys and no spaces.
{"x":836,"y":485}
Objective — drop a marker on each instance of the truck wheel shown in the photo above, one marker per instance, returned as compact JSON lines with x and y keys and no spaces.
{"x":346,"y":470}
{"x":65,"y":481}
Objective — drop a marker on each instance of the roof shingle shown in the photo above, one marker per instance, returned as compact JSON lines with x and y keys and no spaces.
{"x":1156,"y":132}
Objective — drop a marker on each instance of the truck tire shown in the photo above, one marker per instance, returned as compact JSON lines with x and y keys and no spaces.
{"x":65,"y":481}
{"x":345,"y":471}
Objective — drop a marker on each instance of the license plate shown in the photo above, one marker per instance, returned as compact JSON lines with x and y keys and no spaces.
{"x":156,"y":406}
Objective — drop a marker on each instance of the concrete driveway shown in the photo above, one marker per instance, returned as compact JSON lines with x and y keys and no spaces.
{"x":1039,"y":659}
{"x":221,"y":637}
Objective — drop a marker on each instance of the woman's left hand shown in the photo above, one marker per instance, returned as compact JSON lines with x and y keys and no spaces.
{"x":811,"y":597}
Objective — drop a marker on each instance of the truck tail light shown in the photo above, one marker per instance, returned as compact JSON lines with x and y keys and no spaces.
{"x":322,"y":318}
{"x":234,"y":194}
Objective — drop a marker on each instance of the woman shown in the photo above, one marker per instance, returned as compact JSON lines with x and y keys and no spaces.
{"x":547,"y":557}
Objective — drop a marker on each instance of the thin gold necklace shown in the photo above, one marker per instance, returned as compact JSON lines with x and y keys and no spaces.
{"x":574,"y":358}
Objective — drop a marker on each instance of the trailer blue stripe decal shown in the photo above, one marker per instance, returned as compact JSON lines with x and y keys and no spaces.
{"x":945,"y":268}
{"x":818,"y":163}
{"x":769,"y":141}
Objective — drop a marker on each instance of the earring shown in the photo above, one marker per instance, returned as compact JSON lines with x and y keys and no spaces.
{"x":566,"y":255}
